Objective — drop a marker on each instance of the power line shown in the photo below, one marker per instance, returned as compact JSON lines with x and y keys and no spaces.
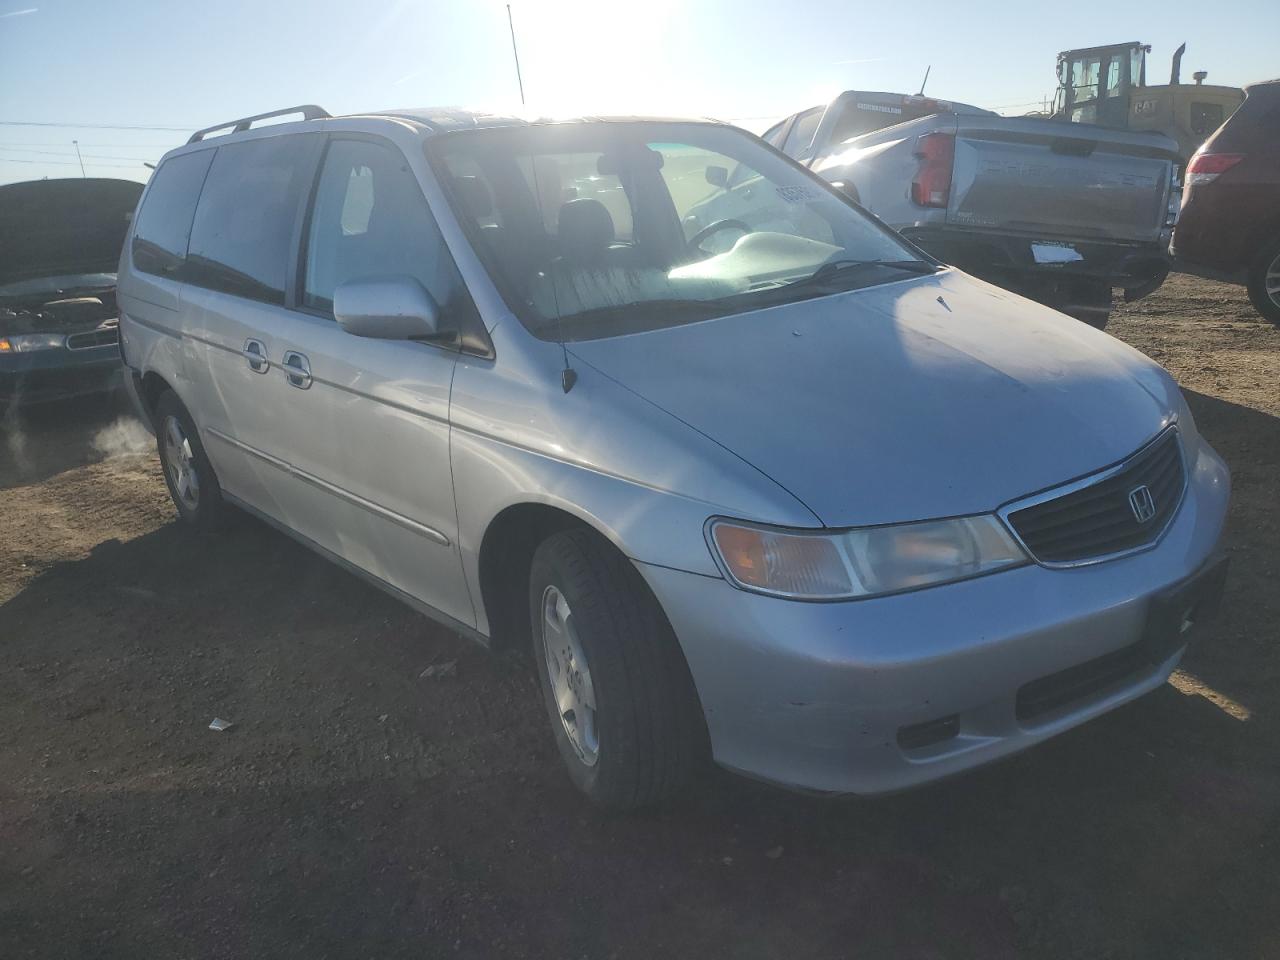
{"x":62,"y":143}
{"x":67,"y":153}
{"x":90,"y":126}
{"x":70,"y":163}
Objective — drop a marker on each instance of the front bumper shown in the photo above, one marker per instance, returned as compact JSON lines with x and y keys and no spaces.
{"x":46,"y":375}
{"x":879,"y":695}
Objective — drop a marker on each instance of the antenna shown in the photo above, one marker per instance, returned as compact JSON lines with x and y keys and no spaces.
{"x":515,"y":52}
{"x":925,"y":80}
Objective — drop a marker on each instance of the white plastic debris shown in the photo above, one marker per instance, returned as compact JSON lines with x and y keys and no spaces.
{"x":447,"y":669}
{"x":218,"y":725}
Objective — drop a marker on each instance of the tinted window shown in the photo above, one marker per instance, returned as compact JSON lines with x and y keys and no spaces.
{"x":370,"y":219}
{"x":802,"y":133}
{"x":244,"y":222}
{"x":164,"y":222}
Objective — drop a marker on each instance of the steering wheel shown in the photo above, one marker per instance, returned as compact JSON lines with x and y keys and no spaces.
{"x":701,"y":237}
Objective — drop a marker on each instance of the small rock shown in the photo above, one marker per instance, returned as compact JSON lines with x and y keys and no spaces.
{"x":727,"y":861}
{"x":382,"y":718}
{"x":773,"y":853}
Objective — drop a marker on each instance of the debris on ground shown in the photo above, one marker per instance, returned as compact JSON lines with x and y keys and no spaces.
{"x":219,"y":725}
{"x":439,"y":670}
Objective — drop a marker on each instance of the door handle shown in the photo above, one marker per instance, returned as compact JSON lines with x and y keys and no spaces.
{"x":255,"y":353}
{"x":297,"y":369}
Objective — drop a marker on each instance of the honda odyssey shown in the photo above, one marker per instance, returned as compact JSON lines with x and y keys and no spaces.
{"x":779,"y":489}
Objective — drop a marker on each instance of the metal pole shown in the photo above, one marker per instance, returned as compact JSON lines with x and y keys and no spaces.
{"x":76,"y":143}
{"x":515,"y":53}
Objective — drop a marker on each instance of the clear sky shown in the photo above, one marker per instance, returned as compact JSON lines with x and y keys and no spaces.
{"x":115,"y":64}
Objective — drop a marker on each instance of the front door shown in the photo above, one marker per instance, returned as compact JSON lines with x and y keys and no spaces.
{"x":366,"y":422}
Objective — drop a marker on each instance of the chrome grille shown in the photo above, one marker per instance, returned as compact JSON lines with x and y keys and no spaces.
{"x":1120,"y":510}
{"x":94,"y":338}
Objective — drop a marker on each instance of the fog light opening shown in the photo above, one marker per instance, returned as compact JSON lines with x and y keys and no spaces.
{"x":919,"y":735}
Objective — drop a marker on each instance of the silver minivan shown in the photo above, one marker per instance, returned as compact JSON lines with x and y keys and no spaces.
{"x":780,"y":490}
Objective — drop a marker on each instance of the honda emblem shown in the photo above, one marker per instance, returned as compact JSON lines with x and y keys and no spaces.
{"x":1142,"y":503}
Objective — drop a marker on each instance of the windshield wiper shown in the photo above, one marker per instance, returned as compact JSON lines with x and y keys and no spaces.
{"x":832,"y":267}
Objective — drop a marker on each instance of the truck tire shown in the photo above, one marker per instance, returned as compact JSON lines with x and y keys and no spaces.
{"x":618,"y":693}
{"x":1264,"y":283}
{"x":193,"y":486}
{"x":1089,"y":302}
{"x":1094,"y":318}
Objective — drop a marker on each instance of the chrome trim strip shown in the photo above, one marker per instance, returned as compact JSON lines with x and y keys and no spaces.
{"x":1053,"y":493}
{"x":154,"y":327}
{"x":397,"y":518}
{"x":439,"y":616}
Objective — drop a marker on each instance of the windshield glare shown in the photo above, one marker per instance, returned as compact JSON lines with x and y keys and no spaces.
{"x":594,"y":228}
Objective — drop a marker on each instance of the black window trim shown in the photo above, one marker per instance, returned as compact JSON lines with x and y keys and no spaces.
{"x":475,"y":342}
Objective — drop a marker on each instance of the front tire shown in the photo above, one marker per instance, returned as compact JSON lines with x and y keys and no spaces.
{"x":1264,"y":283}
{"x":618,"y":693}
{"x":192,"y":484}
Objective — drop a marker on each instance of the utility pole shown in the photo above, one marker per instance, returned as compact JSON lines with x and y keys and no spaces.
{"x":76,"y":144}
{"x":515,"y":53}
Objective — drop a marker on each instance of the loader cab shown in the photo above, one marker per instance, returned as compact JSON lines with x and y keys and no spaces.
{"x":1095,"y":84}
{"x":1108,"y":86}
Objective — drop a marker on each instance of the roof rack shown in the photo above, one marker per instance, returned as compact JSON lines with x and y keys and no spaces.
{"x":309,"y":111}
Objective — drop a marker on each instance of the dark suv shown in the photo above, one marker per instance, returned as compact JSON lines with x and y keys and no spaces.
{"x":1230,"y":220}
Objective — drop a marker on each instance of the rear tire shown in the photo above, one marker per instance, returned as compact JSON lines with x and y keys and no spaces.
{"x":1264,"y":283}
{"x":1092,"y":302}
{"x":618,"y":693}
{"x":193,"y":486}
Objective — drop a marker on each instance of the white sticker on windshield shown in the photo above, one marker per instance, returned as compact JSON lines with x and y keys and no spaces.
{"x":798,"y":193}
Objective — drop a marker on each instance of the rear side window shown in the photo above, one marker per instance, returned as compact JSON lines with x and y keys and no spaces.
{"x":164,"y":222}
{"x":802,"y":132}
{"x":240,"y":241}
{"x":370,"y":219}
{"x":773,"y":136}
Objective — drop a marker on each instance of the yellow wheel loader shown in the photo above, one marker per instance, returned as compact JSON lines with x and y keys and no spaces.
{"x":1108,"y":86}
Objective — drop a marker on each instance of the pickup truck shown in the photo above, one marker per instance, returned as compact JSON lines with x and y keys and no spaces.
{"x":1060,"y":212}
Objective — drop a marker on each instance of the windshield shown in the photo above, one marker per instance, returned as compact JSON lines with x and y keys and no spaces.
{"x":41,"y":287}
{"x":599,"y":229}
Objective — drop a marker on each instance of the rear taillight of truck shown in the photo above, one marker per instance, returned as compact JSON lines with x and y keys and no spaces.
{"x":1207,"y":167}
{"x":932,"y":184}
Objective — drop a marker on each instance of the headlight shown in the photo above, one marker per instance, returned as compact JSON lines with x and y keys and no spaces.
{"x":27,"y":342}
{"x":863,"y":562}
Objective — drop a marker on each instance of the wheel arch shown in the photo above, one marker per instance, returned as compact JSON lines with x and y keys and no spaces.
{"x":151,"y":386}
{"x":505,"y":559}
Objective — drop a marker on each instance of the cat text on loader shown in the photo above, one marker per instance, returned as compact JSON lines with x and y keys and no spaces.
{"x":1108,"y":86}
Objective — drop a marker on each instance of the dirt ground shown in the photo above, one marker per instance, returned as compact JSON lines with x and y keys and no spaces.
{"x":357,"y":810}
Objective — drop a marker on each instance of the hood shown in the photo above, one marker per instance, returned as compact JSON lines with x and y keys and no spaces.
{"x":63,"y":227}
{"x":933,"y":397}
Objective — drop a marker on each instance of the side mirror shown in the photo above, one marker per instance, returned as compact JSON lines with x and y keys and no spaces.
{"x":718,"y":176}
{"x":386,"y":308}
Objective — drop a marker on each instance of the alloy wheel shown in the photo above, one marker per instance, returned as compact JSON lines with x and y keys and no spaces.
{"x":570,"y":676}
{"x":179,"y":462}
